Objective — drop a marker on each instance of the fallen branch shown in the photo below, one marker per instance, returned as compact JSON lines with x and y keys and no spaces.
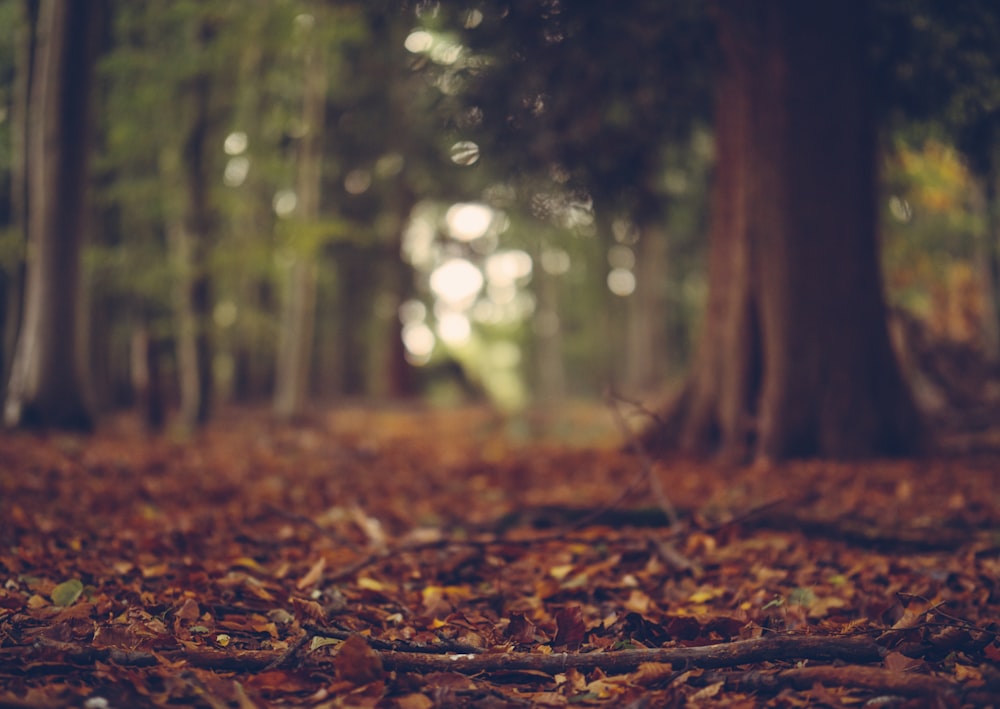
{"x":652,"y":480}
{"x":74,"y":656}
{"x":858,"y":649}
{"x":768,"y":649}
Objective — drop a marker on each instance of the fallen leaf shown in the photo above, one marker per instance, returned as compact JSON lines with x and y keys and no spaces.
{"x":570,"y":628}
{"x":66,"y":593}
{"x":356,"y":662}
{"x":313,"y":576}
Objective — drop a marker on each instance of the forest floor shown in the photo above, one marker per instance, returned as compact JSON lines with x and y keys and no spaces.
{"x":407,"y":559}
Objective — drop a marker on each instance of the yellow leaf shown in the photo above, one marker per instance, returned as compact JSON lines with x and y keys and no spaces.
{"x":964,"y":673}
{"x":414,"y":701}
{"x":561,"y":572}
{"x":247,"y":562}
{"x":370,"y":584}
{"x":702,"y":596}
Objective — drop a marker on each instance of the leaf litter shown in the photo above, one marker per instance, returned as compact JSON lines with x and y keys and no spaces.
{"x":411,"y":559}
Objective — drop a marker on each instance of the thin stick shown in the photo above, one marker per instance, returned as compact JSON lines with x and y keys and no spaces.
{"x":655,"y":486}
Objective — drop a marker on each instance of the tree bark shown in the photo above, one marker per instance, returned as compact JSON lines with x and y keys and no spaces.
{"x":46,"y":384}
{"x":795,"y":358}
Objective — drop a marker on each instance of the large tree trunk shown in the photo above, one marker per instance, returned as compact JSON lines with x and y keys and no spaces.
{"x":795,"y":358}
{"x":46,"y":386}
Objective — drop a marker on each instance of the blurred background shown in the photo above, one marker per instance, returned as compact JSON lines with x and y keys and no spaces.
{"x":497,"y":202}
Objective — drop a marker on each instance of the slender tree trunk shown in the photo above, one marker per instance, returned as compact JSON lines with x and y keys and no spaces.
{"x":299,"y":321}
{"x":189,"y":238}
{"x":46,"y":385}
{"x":254,"y":342}
{"x":794,"y":358}
{"x":13,"y":300}
{"x":648,"y":350}
{"x":147,"y":377}
{"x":346,"y":367}
{"x":550,"y":368}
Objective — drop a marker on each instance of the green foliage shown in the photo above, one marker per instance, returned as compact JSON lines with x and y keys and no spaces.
{"x":933,"y":222}
{"x":938,"y":64}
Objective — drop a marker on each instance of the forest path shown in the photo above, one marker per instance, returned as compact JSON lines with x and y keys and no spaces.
{"x":347,"y":560}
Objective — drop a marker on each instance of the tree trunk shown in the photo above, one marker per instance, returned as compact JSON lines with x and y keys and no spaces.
{"x":189,"y":240}
{"x":549,"y":364}
{"x":648,"y":349}
{"x":794,"y":358}
{"x":46,"y":385}
{"x":188,"y":234}
{"x":13,"y":281}
{"x":147,"y":377}
{"x":298,"y":324}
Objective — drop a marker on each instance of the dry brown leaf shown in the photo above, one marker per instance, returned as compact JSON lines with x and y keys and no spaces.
{"x":356,"y":662}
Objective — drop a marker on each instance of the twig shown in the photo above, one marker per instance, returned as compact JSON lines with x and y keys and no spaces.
{"x":655,"y":486}
{"x":438,"y":648}
{"x":284,"y":657}
{"x":652,"y":415}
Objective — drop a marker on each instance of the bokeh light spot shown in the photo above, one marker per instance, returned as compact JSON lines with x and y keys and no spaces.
{"x":456,"y":282}
{"x":418,"y":41}
{"x":357,"y":181}
{"x":467,"y":221}
{"x":236,"y":143}
{"x":284,"y":202}
{"x":621,"y":281}
{"x":236,"y":171}
{"x":454,"y":328}
{"x":464,"y":152}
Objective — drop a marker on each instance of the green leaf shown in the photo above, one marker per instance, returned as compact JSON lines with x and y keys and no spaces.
{"x":66,"y":593}
{"x":802,"y":597}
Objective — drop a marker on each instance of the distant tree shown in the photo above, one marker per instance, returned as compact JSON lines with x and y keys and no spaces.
{"x":18,"y":52}
{"x":795,"y":358}
{"x":191,"y":233}
{"x":298,"y":323}
{"x":46,"y":388}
